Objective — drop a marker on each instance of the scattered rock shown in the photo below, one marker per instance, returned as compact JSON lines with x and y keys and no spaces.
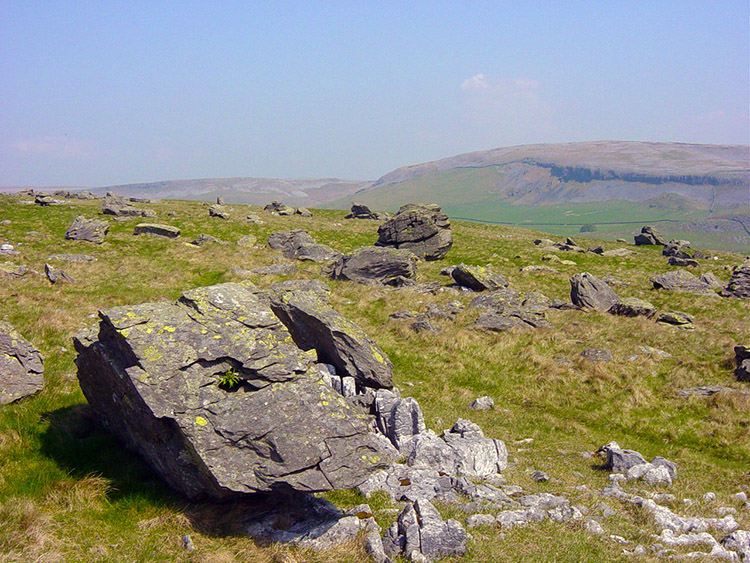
{"x":482,"y":404}
{"x":279,"y":269}
{"x":254,"y":219}
{"x":619,"y":252}
{"x":422,"y":229}
{"x":597,"y":355}
{"x":21,"y":366}
{"x":166,"y":231}
{"x":280,"y":208}
{"x":649,"y":235}
{"x":303,"y":212}
{"x":683,"y":262}
{"x":677,"y":319}
{"x":680,"y":280}
{"x":376,"y":264}
{"x":119,"y":207}
{"x":421,"y":531}
{"x":478,"y":278}
{"x":739,"y":283}
{"x":219,"y":211}
{"x":586,"y":290}
{"x":206,"y":239}
{"x":360,"y":211}
{"x":708,"y":390}
{"x":12,"y":270}
{"x":742,"y":361}
{"x":55,"y":275}
{"x":92,"y":230}
{"x":678,"y":249}
{"x":215,"y":395}
{"x":536,"y":268}
{"x":711,"y":281}
{"x":633,"y":307}
{"x":46,"y":200}
{"x":298,"y":244}
{"x":247,"y":241}
{"x":540,"y":477}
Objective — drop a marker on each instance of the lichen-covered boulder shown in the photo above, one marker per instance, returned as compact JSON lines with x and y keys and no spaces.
{"x":422,"y":229}
{"x":155,"y":229}
{"x":478,"y":278}
{"x":370,"y":264}
{"x":633,"y":307}
{"x":586,"y":290}
{"x":21,"y":366}
{"x":298,"y":244}
{"x":92,"y":230}
{"x":218,"y":210}
{"x":214,"y":393}
{"x":116,"y":205}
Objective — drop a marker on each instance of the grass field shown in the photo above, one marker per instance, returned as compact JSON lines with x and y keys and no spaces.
{"x":69,"y":492}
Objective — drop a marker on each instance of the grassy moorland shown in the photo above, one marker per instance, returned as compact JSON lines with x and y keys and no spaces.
{"x":69,"y":492}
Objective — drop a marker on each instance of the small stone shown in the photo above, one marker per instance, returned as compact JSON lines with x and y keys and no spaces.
{"x":540,"y":477}
{"x":593,"y":527}
{"x":482,"y":403}
{"x":187,"y":543}
{"x":597,"y":355}
{"x":709,"y":497}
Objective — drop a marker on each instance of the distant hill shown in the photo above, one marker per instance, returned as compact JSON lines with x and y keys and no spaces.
{"x":252,"y":191}
{"x":699,"y":192}
{"x":575,"y":172}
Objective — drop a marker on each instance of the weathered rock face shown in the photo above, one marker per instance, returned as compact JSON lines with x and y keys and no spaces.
{"x":478,"y":278}
{"x":155,"y":229}
{"x":649,"y":235}
{"x":370,"y":264}
{"x":12,"y":270}
{"x":678,"y":249}
{"x":633,"y":307}
{"x":680,"y":280}
{"x":21,"y":366}
{"x":586,"y":290}
{"x":508,"y":308}
{"x":56,"y":275}
{"x":422,"y":229}
{"x":676,"y":318}
{"x":215,"y":395}
{"x":218,"y":210}
{"x":92,"y":230}
{"x":739,"y":283}
{"x":742,"y":361}
{"x":360,"y":211}
{"x":280,"y":208}
{"x":338,"y":341}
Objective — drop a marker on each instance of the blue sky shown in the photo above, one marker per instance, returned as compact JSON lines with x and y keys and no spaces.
{"x":101,"y":93}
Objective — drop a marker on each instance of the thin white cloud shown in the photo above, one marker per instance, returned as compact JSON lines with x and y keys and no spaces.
{"x":711,"y":116}
{"x":60,"y":147}
{"x":476,"y":82}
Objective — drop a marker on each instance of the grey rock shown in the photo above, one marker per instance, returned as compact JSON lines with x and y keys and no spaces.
{"x":593,"y":527}
{"x":92,"y":230}
{"x":482,"y":404}
{"x":680,"y":280}
{"x":586,"y":290}
{"x":597,"y":355}
{"x":21,"y":366}
{"x":739,"y":542}
{"x":683,"y":262}
{"x":476,"y":520}
{"x":478,"y":278}
{"x":280,"y":208}
{"x":155,"y":229}
{"x":677,"y":319}
{"x":360,"y":211}
{"x":742,"y":362}
{"x":421,"y":229}
{"x":371,"y":264}
{"x":153,"y":373}
{"x":650,"y":235}
{"x":298,"y":244}
{"x":398,"y":419}
{"x":423,"y":324}
{"x":403,"y":483}
{"x":207,"y":239}
{"x":219,"y":211}
{"x":540,"y":477}
{"x":303,"y":212}
{"x":313,"y":324}
{"x":55,"y":275}
{"x":633,"y":307}
{"x":678,"y":249}
{"x":420,"y":534}
{"x":254,"y":219}
{"x":278,"y":269}
{"x":247,"y":241}
{"x":670,"y":466}
{"x":711,"y":281}
{"x":46,"y":200}
{"x":12,"y":270}
{"x":739,"y":283}
{"x":119,"y":207}
{"x":619,"y":460}
{"x":316,"y":253}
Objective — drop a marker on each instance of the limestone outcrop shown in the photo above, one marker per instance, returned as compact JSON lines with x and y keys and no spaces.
{"x":422,"y":229}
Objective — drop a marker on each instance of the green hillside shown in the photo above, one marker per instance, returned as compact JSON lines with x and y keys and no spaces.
{"x":69,"y":492}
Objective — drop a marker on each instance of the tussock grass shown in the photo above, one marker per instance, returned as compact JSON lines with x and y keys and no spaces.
{"x":69,"y":492}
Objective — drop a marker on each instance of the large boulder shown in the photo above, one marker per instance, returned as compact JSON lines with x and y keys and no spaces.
{"x":422,"y":229}
{"x":739,"y":283}
{"x":586,"y":290}
{"x":92,"y":230}
{"x":478,"y":278}
{"x":214,"y":393}
{"x":680,"y":280}
{"x":21,"y":366}
{"x":649,"y":235}
{"x":370,"y":264}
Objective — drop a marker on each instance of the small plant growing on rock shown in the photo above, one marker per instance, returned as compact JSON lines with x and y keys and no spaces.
{"x":229,"y":379}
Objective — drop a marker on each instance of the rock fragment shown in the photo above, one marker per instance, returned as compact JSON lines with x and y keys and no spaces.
{"x":478,"y":278}
{"x":372,"y":264}
{"x":155,"y":229}
{"x":21,"y":366}
{"x":92,"y":230}
{"x":586,"y":290}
